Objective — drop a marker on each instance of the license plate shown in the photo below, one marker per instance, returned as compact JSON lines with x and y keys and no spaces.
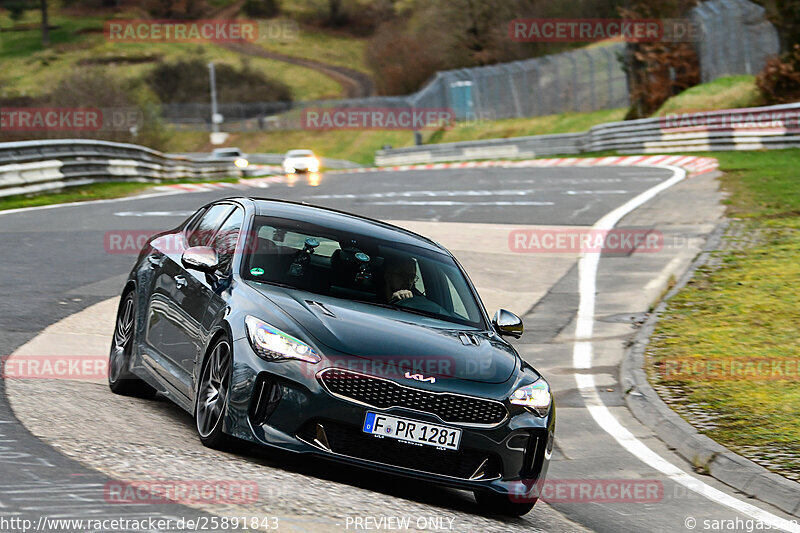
{"x":412,"y":431}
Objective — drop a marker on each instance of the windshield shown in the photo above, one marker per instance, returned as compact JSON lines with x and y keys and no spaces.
{"x":300,"y":153}
{"x":359,"y":268}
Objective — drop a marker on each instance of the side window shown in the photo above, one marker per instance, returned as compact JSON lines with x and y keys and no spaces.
{"x":458,"y":305}
{"x":418,"y":283}
{"x":193,"y":221}
{"x":201,"y":234}
{"x":227,"y":237}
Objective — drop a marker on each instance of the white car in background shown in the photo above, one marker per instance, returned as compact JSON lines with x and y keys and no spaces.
{"x":300,"y":161}
{"x":231,"y":154}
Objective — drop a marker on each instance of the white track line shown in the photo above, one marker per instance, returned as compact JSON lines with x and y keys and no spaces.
{"x":582,"y":359}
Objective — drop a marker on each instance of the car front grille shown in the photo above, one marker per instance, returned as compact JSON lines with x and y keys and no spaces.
{"x":383,"y":394}
{"x":352,"y":442}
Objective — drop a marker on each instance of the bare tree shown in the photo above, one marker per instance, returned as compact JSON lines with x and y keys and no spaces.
{"x":45,"y":26}
{"x":335,"y":13}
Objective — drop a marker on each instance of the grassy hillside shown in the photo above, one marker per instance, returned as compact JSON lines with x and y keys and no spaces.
{"x":31,"y":70}
{"x":728,"y":92}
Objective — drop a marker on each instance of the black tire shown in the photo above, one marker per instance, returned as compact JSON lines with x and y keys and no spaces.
{"x":212,"y":395}
{"x":501,"y":504}
{"x":120,"y":379}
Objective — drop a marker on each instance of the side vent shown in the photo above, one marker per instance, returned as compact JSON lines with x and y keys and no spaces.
{"x":266,"y":396}
{"x":529,"y":465}
{"x":468,"y":339}
{"x":321,"y":307}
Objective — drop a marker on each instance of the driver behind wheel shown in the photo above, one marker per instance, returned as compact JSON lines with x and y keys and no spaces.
{"x":400,"y":274}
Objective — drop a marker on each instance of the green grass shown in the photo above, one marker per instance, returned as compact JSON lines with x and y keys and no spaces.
{"x":83,"y":193}
{"x":763,"y":185}
{"x":729,"y":92}
{"x":519,"y":127}
{"x":745,"y":306}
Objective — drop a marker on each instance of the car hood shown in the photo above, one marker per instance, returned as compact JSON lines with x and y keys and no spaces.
{"x":375,"y":338}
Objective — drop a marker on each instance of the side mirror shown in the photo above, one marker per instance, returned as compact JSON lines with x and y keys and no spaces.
{"x":202,"y":258}
{"x":507,"y":323}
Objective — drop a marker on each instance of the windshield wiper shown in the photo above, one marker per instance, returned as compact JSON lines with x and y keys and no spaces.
{"x":408,"y":310}
{"x":277,"y":284}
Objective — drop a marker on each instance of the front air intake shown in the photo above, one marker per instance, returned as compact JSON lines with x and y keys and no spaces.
{"x":266,"y":396}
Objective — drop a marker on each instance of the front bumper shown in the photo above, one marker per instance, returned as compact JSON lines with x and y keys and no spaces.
{"x":300,"y":167}
{"x":284,"y":405}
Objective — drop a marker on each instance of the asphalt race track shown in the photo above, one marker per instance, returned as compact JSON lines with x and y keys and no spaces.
{"x":55,"y":264}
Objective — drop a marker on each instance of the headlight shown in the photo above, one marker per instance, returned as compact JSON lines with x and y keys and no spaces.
{"x":273,"y":344}
{"x":241,"y":162}
{"x":313,"y":165}
{"x":535,"y":397}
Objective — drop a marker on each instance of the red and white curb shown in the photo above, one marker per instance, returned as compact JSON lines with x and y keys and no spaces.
{"x":692,"y":164}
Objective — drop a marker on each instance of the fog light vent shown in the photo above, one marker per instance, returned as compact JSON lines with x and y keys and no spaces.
{"x":266,"y":396}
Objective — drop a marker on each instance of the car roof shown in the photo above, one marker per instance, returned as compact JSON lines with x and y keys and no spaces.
{"x":300,"y":152}
{"x":340,"y":220}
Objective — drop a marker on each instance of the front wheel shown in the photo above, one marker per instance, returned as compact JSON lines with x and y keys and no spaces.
{"x":120,"y":379}
{"x":501,"y":504}
{"x":212,"y":395}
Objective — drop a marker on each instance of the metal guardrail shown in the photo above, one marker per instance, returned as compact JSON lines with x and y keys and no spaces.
{"x":35,"y":166}
{"x":771,"y":127}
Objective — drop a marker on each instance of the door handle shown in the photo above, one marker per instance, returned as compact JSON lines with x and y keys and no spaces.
{"x":180,"y":281}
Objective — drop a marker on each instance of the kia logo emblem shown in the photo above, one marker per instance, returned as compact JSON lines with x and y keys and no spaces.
{"x":420,"y":377}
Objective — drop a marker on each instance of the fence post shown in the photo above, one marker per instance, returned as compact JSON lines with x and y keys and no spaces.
{"x":513,"y":87}
{"x":575,"y":91}
{"x":610,"y":74}
{"x":721,"y":54}
{"x":557,"y":78}
{"x":592,"y":95}
{"x":535,"y":95}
